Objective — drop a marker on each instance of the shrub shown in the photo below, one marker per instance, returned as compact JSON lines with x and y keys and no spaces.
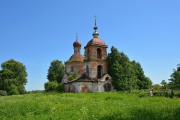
{"x":60,"y":88}
{"x":73,"y":76}
{"x":3,"y":93}
{"x":13,"y":90}
{"x":53,"y":87}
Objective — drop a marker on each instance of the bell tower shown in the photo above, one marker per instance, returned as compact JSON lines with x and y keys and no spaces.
{"x":95,"y":56}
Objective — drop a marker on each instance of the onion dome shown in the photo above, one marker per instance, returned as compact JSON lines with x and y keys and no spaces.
{"x":77,"y":44}
{"x":76,"y":57}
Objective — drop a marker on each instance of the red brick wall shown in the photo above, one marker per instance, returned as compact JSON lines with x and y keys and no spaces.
{"x":78,"y":67}
{"x":92,"y":54}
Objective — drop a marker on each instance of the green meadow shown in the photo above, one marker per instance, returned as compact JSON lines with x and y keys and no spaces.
{"x":88,"y":106}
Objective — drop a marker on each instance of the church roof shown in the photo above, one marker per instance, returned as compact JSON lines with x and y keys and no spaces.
{"x":96,"y":42}
{"x":77,"y":44}
{"x":77,"y":57}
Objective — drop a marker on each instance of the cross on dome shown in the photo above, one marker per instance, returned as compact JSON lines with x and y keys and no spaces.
{"x":95,"y":33}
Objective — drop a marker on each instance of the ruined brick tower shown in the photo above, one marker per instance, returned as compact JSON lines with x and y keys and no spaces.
{"x":95,"y":56}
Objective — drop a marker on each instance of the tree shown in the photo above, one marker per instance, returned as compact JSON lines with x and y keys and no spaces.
{"x":164,"y":84}
{"x":143,"y":81}
{"x":121,"y":70}
{"x":175,"y":79}
{"x":55,"y":74}
{"x":56,"y":71}
{"x":13,"y":77}
{"x":126,"y":74}
{"x":156,"y":86}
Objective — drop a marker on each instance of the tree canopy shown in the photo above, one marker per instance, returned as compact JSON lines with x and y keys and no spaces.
{"x":126,"y":74}
{"x":164,"y":85}
{"x":175,"y":79}
{"x":143,"y":82}
{"x":56,"y":71}
{"x":55,"y":74}
{"x":13,"y":77}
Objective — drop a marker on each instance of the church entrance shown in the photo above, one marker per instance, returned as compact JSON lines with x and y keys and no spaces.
{"x":107,"y":87}
{"x":99,"y":71}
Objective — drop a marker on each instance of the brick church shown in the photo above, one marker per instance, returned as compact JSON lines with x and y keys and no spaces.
{"x":91,"y":69}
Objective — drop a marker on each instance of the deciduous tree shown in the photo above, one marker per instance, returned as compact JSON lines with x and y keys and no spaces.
{"x":143,"y":81}
{"x":13,"y":77}
{"x":56,"y":71}
{"x":175,"y":79}
{"x":126,"y":74}
{"x":55,"y":75}
{"x":121,"y":71}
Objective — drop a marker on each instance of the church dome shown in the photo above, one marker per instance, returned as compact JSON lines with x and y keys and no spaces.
{"x":96,"y":42}
{"x":77,"y":44}
{"x":77,"y":57}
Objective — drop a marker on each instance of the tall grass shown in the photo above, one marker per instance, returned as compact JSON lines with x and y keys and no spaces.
{"x":88,"y":106}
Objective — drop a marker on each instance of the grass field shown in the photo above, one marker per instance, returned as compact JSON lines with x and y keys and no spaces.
{"x":88,"y":106}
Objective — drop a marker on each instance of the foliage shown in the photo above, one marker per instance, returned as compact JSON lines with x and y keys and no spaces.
{"x":3,"y":93}
{"x":156,"y":87}
{"x":83,"y":106}
{"x":73,"y":76}
{"x":56,"y":71}
{"x":13,"y":77}
{"x":13,"y":90}
{"x":143,"y":81}
{"x":60,"y":88}
{"x":53,"y":87}
{"x":126,"y":74}
{"x":164,"y":85}
{"x":35,"y":91}
{"x":175,"y":79}
{"x":121,"y":71}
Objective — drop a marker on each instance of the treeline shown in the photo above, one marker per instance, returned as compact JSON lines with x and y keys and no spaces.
{"x":126,"y":75}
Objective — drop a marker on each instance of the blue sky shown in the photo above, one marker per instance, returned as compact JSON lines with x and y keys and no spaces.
{"x":35,"y":32}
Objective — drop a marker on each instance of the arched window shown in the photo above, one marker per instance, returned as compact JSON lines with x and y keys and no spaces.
{"x":99,"y":53}
{"x":107,"y":78}
{"x":72,"y":69}
{"x":87,"y":70}
{"x":87,"y":53}
{"x":99,"y":71}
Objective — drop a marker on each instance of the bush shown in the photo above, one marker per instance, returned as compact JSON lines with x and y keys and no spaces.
{"x":73,"y":76}
{"x":60,"y":88}
{"x":13,"y":90}
{"x":3,"y":93}
{"x":143,"y":94}
{"x":53,"y":87}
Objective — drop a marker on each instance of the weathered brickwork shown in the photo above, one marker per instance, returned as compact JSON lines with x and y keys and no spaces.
{"x":78,"y":67}
{"x":91,"y":53}
{"x":92,"y":67}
